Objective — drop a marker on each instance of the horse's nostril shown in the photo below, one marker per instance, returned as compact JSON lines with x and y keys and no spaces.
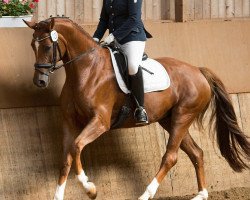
{"x":42,"y":83}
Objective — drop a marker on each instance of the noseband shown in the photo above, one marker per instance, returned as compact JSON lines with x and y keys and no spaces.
{"x":53,"y":66}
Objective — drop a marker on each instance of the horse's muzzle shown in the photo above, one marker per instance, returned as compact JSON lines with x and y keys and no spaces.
{"x":41,"y":80}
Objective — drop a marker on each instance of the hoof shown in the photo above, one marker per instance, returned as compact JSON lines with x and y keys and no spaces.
{"x":202,"y":195}
{"x":91,"y":192}
{"x":199,"y":198}
{"x":145,"y":196}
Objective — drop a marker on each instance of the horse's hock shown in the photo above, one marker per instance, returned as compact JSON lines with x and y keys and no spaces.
{"x":122,"y":162}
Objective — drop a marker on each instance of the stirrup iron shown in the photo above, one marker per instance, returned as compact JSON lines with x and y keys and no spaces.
{"x":141,"y":116}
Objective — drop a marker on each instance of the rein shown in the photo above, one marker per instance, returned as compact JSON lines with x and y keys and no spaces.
{"x":74,"y":59}
{"x":53,"y":66}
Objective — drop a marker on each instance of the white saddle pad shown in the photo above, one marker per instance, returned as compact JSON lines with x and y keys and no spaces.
{"x":157,"y":81}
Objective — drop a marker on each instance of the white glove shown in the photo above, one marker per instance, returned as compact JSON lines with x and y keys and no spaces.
{"x":96,"y":39}
{"x":109,"y":39}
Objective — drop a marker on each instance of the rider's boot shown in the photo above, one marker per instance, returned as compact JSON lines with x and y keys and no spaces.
{"x":137,"y":90}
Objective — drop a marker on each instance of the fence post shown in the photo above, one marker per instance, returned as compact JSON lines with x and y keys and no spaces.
{"x":181,"y":10}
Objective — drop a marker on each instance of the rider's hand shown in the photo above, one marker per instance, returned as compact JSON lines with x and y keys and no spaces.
{"x":96,"y":40}
{"x":109,"y":39}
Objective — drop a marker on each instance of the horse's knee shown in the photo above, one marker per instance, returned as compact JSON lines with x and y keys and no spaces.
{"x":169,"y":160}
{"x":77,"y":147}
{"x":65,"y":168}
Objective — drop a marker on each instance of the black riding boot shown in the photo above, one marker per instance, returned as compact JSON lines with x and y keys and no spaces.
{"x":137,"y":90}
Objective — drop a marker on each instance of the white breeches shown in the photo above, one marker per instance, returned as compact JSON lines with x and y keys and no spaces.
{"x":134,"y":51}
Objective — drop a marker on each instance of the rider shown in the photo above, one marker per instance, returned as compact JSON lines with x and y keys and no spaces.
{"x":123,"y":19}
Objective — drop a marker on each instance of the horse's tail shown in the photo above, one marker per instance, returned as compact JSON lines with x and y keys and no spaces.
{"x":233,"y":144}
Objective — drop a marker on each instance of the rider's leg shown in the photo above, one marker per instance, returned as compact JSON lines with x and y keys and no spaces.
{"x":134,"y":51}
{"x":138,"y":92}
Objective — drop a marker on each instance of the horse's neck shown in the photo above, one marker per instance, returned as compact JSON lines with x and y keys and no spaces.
{"x":77,"y":44}
{"x":78,"y":41}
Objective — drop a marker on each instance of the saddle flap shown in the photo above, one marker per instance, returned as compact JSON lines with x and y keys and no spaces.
{"x":155,"y":76}
{"x":121,"y":61}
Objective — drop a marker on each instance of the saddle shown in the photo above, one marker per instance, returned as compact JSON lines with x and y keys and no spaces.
{"x":155,"y":78}
{"x":122,"y":61}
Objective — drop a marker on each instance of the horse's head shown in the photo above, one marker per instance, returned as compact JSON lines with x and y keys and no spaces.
{"x":48,"y":47}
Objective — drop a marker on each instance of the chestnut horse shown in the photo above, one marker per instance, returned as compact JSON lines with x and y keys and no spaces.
{"x":91,"y":101}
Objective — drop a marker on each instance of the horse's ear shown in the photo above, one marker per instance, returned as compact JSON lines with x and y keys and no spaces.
{"x":30,"y":24}
{"x":52,"y":24}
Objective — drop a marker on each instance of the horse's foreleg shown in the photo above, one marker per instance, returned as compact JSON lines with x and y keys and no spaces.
{"x":180,"y":123}
{"x":66,"y":161}
{"x":59,"y":195}
{"x":195,"y":154}
{"x":91,"y":132}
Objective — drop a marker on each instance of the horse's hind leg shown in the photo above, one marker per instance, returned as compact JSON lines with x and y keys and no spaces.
{"x":66,"y":162}
{"x":195,"y":154}
{"x":181,"y":119}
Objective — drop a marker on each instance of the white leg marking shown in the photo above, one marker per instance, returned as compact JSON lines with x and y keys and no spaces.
{"x":82,"y":177}
{"x":202,"y":195}
{"x":150,"y":191}
{"x":88,"y":186}
{"x":84,"y":180}
{"x":60,"y":191}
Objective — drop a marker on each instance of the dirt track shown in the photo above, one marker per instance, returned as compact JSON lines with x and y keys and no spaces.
{"x":233,"y":194}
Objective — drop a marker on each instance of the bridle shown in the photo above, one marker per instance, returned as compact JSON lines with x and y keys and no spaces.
{"x":53,"y":65}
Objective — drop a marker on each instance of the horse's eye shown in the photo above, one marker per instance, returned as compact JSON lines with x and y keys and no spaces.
{"x":47,"y":48}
